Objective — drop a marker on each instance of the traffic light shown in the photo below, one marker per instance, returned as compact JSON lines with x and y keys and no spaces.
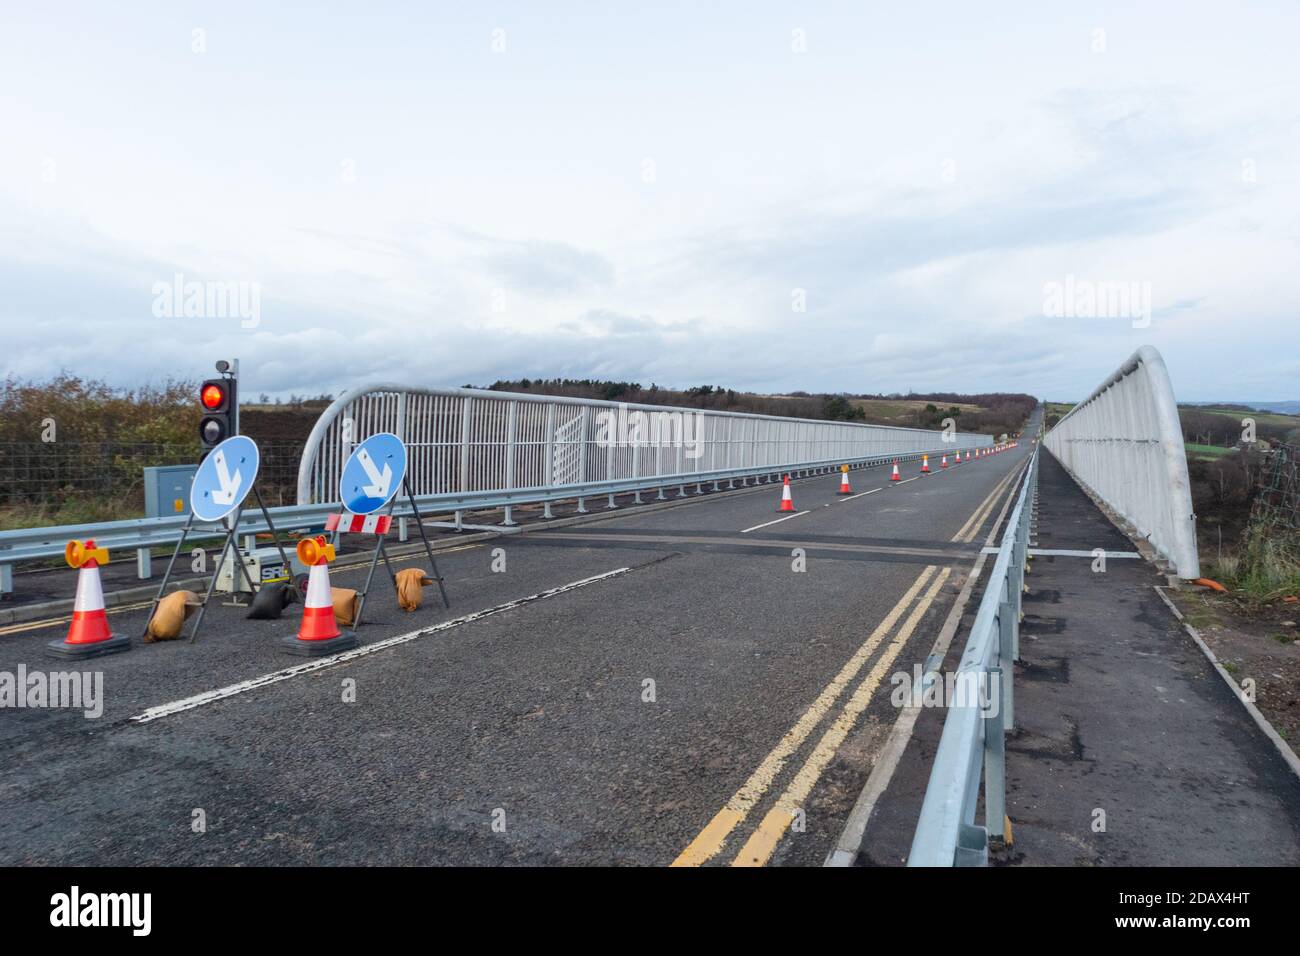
{"x":219,"y":422}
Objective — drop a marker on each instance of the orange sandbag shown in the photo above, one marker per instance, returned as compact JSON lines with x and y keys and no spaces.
{"x":410,"y":588}
{"x":170,"y":616}
{"x":345,"y":605}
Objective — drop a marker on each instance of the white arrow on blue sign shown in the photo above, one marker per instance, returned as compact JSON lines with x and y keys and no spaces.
{"x":373,"y":474}
{"x":224,"y":478}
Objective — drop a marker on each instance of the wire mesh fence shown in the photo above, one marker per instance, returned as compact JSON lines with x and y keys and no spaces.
{"x":51,"y":474}
{"x":1277,"y":502}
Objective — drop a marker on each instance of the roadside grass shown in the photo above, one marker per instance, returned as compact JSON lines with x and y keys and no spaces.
{"x":1265,"y":569}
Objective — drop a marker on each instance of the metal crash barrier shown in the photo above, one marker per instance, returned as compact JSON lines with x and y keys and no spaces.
{"x":981,"y":711}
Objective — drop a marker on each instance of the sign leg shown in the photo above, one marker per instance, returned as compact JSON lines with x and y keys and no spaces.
{"x":189,"y":523}
{"x":419,"y":524}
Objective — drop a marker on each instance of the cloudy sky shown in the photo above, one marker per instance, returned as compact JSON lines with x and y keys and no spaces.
{"x":770,"y":196}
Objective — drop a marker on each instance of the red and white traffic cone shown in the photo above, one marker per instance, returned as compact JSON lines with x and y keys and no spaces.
{"x":925,"y":464}
{"x":787,"y":503}
{"x":319,"y":632}
{"x":943,"y":462}
{"x":844,"y":483}
{"x":968,"y":454}
{"x":895,"y":476}
{"x":89,"y":635}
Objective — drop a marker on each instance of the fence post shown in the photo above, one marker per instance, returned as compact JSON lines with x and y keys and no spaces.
{"x":465,"y":424}
{"x":550,"y":455}
{"x":582,"y":453}
{"x":143,"y":563}
{"x":511,"y":429}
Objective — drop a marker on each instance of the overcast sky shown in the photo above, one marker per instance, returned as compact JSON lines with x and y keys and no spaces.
{"x":770,"y":196}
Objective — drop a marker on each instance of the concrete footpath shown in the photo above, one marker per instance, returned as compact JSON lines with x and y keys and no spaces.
{"x":1129,"y":750}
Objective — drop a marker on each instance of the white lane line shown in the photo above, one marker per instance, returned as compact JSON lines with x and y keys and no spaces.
{"x":777,"y":521}
{"x":904,"y":481}
{"x":221,"y":693}
{"x":860,"y":494}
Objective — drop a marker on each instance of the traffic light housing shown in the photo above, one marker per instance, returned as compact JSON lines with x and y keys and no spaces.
{"x":218,"y":402}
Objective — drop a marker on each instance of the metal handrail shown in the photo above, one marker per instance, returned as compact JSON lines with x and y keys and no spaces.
{"x":464,"y":439}
{"x":1124,"y":443}
{"x":972,"y":746}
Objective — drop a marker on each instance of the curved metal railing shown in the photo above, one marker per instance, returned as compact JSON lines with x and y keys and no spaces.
{"x":1124,"y":443}
{"x":467,"y":440}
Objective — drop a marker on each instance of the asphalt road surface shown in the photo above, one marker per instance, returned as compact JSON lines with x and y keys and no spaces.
{"x":652,"y":687}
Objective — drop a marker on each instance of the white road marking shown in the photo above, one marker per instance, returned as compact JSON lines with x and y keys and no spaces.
{"x":777,"y":521}
{"x":903,"y":481}
{"x":859,"y":494}
{"x":221,"y":693}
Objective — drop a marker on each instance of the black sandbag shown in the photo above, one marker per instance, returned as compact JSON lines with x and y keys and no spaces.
{"x":270,"y":601}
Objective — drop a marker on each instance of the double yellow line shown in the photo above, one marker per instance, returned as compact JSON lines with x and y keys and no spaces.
{"x":758,"y":849}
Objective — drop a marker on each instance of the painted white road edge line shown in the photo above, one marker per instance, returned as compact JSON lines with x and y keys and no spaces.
{"x":777,"y":521}
{"x":221,"y":693}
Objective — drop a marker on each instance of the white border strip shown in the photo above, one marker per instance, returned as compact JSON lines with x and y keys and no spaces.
{"x":221,"y":693}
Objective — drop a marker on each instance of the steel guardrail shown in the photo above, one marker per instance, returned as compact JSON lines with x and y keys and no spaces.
{"x":1124,"y":443}
{"x":29,"y":544}
{"x":981,"y":711}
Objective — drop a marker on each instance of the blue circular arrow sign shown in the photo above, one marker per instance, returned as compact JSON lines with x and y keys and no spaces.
{"x":224,"y":478}
{"x":373,"y":474}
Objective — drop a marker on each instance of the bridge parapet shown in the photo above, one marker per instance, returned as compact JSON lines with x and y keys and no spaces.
{"x":1124,"y":443}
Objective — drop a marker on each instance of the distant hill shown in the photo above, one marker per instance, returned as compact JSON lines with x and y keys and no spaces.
{"x":1282,"y":408}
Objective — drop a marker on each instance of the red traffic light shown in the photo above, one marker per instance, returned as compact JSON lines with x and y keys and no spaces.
{"x":212,"y":396}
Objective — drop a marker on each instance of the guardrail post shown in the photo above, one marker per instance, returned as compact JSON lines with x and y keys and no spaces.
{"x":403,"y":530}
{"x":1006,"y":654}
{"x":6,"y":579}
{"x":972,"y":846}
{"x":143,"y":563}
{"x":995,"y":760}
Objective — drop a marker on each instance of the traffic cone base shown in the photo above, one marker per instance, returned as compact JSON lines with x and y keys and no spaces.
{"x":80,"y":651}
{"x":319,"y":648}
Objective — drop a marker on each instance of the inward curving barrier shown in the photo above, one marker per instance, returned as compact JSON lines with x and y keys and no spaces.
{"x":1124,"y":443}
